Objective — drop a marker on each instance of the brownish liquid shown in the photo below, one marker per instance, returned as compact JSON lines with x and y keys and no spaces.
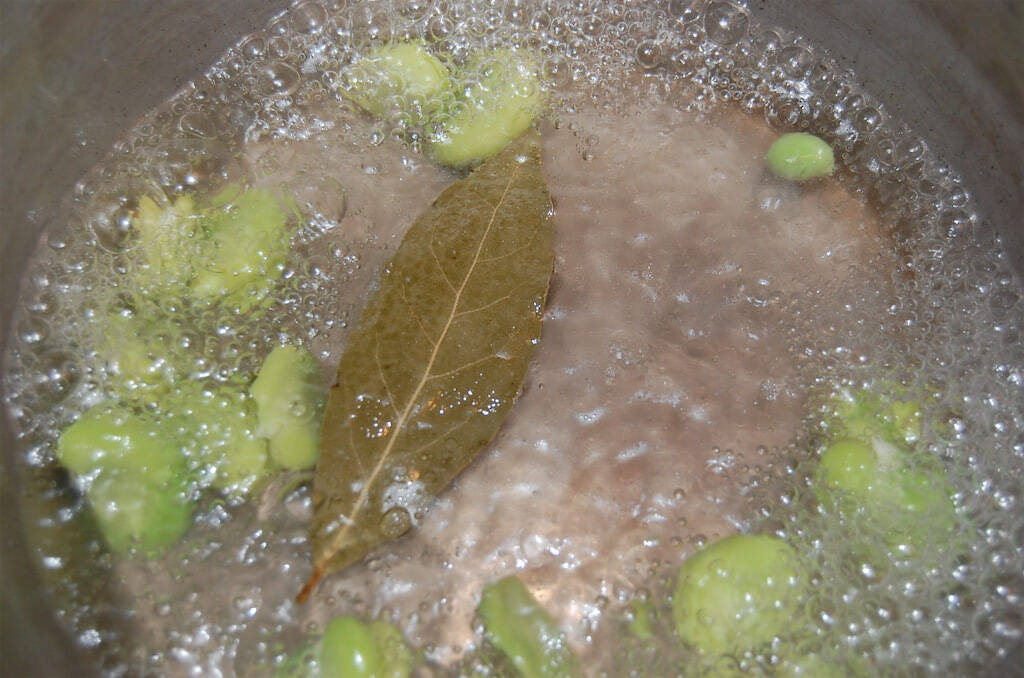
{"x":696,"y":298}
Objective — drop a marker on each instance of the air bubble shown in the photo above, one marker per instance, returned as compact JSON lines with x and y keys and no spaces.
{"x":556,"y":71}
{"x":414,"y":9}
{"x":113,"y":229}
{"x":197,"y":124}
{"x":685,"y":11}
{"x":868,"y":120}
{"x":280,"y":79}
{"x":685,"y":63}
{"x":308,"y":17}
{"x":254,"y":48}
{"x":395,"y":522}
{"x":725,"y":23}
{"x":648,"y":54}
{"x":440,"y":27}
{"x":60,"y":373}
{"x":33,"y":330}
{"x":796,"y":61}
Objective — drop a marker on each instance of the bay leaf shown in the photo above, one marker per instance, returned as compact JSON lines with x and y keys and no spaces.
{"x":437,"y":359}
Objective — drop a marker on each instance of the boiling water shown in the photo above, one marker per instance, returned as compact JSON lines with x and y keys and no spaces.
{"x":696,"y":302}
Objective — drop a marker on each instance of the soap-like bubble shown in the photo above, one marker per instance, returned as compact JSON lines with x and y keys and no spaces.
{"x":725,"y":22}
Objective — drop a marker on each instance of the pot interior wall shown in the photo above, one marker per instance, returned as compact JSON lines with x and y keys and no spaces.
{"x":74,"y":74}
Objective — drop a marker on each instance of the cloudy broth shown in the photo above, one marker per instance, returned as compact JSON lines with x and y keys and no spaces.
{"x":698,"y":306}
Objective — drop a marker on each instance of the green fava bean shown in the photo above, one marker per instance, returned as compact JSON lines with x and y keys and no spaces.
{"x":165,"y":244}
{"x":138,"y":482}
{"x":351,"y":648}
{"x":865,"y":415}
{"x":402,"y":76}
{"x":245,"y":251}
{"x":109,"y":438}
{"x":296,"y":447}
{"x":503,"y":98}
{"x":799,"y":156}
{"x":520,"y":628}
{"x":219,"y":426}
{"x":852,"y":466}
{"x":911,"y":505}
{"x":818,"y":666}
{"x":738,"y":594}
{"x":140,"y":355}
{"x":137,"y":513}
{"x":289,"y":398}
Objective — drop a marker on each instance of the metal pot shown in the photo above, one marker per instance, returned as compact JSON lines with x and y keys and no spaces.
{"x":75,"y":73}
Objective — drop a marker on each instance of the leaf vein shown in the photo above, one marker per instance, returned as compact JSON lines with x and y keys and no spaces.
{"x":380,"y":373}
{"x":493,"y":303}
{"x":423,"y":448}
{"x":449,"y":373}
{"x":437,"y":260}
{"x":415,"y":316}
{"x":510,"y":253}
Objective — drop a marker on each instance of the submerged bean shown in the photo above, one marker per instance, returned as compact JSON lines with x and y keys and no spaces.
{"x":799,"y":156}
{"x":289,"y":400}
{"x":110,"y":437}
{"x":218,"y":427}
{"x":905,"y":496}
{"x":138,"y":513}
{"x":520,"y":628}
{"x":352,"y":648}
{"x":404,"y":72}
{"x":503,"y":97}
{"x":245,"y":251}
{"x":164,"y":243}
{"x":738,"y":594}
{"x":137,"y":481}
{"x":865,"y":415}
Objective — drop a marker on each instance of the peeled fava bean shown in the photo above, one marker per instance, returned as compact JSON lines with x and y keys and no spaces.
{"x":289,"y":398}
{"x":142,"y":355}
{"x":351,"y":648}
{"x":865,"y":415}
{"x":518,"y":626}
{"x":502,"y":96}
{"x":852,"y":466}
{"x":138,"y":514}
{"x":165,"y":243}
{"x":401,"y":77}
{"x":738,"y":594}
{"x":218,"y":427}
{"x":910,"y":502}
{"x":110,"y":437}
{"x":245,"y":250}
{"x":799,"y":156}
{"x":137,"y":483}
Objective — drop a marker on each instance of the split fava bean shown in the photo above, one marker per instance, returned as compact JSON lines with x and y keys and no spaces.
{"x":137,"y":479}
{"x":289,"y":402}
{"x":503,"y":98}
{"x":403,"y":73}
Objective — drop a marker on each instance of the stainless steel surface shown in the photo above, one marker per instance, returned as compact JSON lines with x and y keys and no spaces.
{"x":73,"y":74}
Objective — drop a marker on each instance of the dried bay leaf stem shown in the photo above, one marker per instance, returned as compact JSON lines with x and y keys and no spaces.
{"x":437,"y":359}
